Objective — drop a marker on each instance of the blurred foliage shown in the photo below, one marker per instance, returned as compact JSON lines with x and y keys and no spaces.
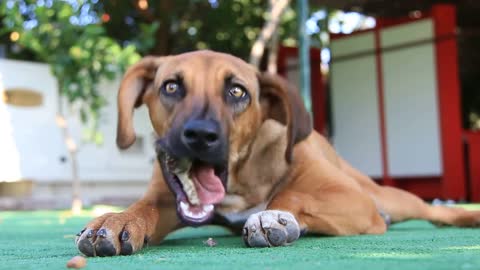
{"x":184,"y":25}
{"x":221,"y":25}
{"x":68,"y":36}
{"x":87,"y":40}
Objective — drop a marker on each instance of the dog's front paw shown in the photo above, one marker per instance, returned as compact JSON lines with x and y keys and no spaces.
{"x":112,"y":234}
{"x":270,"y":228}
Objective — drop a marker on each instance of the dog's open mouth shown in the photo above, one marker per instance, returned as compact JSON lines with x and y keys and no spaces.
{"x":197,"y":186}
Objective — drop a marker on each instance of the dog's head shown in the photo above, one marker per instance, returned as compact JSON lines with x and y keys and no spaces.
{"x":207,"y":108}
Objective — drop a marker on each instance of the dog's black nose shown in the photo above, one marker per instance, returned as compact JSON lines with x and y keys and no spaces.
{"x":201,"y":135}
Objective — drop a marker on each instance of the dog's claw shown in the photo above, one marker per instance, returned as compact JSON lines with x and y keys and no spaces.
{"x":102,"y":233}
{"x":80,"y":233}
{"x":124,"y":236}
{"x":90,"y":234}
{"x":386,"y":218}
{"x":277,"y":228}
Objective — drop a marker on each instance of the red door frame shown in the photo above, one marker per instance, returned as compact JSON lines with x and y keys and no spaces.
{"x":452,"y":184}
{"x":448,"y":84}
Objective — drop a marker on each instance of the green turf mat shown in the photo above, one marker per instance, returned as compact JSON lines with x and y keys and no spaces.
{"x":44,"y":240}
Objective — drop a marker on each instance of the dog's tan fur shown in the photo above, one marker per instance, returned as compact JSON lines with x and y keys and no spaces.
{"x":275,"y":157}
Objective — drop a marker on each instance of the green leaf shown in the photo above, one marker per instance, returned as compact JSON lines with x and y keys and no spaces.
{"x":65,"y":12}
{"x":79,"y":56}
{"x":94,"y":30}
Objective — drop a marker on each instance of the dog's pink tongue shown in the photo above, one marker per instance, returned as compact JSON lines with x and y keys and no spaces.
{"x":209,"y":187}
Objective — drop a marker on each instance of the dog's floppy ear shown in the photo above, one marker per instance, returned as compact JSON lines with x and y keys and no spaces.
{"x":281,"y":101}
{"x":138,"y":78}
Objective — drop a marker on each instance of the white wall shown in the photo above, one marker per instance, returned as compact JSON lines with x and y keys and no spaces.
{"x":355,"y":113}
{"x":410,"y":101}
{"x":31,"y":144}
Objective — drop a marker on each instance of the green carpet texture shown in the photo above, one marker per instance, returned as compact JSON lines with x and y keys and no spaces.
{"x":44,"y":240}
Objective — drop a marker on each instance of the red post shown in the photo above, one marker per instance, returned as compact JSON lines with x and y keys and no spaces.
{"x":453,"y":181}
{"x":387,"y":180}
{"x":473,"y":139}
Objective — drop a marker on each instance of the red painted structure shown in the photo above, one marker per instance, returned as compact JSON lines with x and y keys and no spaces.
{"x":454,"y":183}
{"x":449,"y":102}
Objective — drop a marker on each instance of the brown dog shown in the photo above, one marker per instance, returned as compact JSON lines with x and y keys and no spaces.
{"x":231,"y":140}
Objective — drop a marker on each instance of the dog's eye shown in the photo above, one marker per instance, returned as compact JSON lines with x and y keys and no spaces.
{"x":237,"y":97}
{"x":171,"y":87}
{"x":172,"y":90}
{"x":237,"y":92}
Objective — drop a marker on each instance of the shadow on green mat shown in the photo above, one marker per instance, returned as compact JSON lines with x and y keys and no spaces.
{"x":44,"y":240}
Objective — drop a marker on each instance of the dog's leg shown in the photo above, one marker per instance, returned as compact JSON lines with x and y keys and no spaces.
{"x":147,"y":221}
{"x":401,"y":205}
{"x":342,"y":213}
{"x":320,"y":199}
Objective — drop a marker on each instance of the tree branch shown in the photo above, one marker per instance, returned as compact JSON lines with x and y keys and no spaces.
{"x":277,"y":7}
{"x":273,"y":53}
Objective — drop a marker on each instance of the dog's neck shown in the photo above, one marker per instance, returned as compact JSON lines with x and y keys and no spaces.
{"x":264,"y":161}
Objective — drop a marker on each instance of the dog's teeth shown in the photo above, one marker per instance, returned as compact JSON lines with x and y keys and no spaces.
{"x":184,"y":206}
{"x":200,"y":215}
{"x":208,"y":208}
{"x":190,"y":214}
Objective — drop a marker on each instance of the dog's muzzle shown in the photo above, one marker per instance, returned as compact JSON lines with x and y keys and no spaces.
{"x":194,"y":165}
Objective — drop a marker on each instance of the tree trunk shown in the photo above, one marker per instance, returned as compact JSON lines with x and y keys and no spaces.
{"x":163,"y":44}
{"x":273,"y":54}
{"x":72,"y":153}
{"x":277,"y":7}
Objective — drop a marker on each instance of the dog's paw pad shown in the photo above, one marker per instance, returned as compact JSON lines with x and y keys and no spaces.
{"x":105,"y":248}
{"x":86,"y":247}
{"x":270,"y":228}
